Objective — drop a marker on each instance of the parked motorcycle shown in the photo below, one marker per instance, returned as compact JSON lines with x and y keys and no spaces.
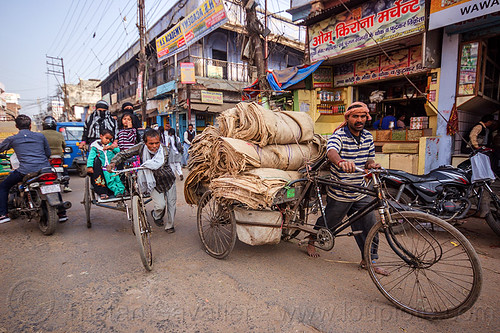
{"x":38,"y":197}
{"x":446,"y":192}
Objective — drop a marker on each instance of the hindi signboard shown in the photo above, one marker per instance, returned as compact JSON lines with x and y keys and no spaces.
{"x":384,"y":20}
{"x":448,"y":12}
{"x":404,"y":61}
{"x":323,"y":77}
{"x":212,"y":97}
{"x":199,"y":23}
{"x":187,"y":73}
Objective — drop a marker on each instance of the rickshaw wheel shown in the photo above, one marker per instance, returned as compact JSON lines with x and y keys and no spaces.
{"x":87,"y":202}
{"x":216,"y":226}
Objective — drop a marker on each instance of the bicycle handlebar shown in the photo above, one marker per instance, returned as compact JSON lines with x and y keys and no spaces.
{"x":129,"y":169}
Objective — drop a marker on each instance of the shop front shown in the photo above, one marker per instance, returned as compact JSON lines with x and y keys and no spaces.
{"x":375,"y":54}
{"x":470,"y":72}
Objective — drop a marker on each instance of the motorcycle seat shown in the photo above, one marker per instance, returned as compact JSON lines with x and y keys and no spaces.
{"x":32,"y":175}
{"x":411,"y":177}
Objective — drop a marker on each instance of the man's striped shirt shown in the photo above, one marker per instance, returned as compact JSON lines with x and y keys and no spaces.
{"x":343,"y":142}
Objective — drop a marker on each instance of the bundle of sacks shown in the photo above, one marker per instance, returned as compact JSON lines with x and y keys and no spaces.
{"x":252,"y":154}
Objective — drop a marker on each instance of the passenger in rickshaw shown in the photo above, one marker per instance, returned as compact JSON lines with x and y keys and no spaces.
{"x":101,"y":153}
{"x":350,"y":146}
{"x":157,"y":179}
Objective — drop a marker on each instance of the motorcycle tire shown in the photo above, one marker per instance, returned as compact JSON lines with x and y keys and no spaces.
{"x":48,"y":219}
{"x":493,"y":220}
{"x":403,"y":199}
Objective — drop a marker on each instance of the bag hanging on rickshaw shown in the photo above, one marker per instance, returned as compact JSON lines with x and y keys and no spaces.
{"x":481,"y":168}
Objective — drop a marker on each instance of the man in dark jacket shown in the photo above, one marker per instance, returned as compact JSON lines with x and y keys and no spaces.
{"x":97,"y":121}
{"x":478,"y":135}
{"x":56,"y":141}
{"x":33,"y":152}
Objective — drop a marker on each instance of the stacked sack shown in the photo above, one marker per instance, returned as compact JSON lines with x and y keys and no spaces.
{"x":252,"y":154}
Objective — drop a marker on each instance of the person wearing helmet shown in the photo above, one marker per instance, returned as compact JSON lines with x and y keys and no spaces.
{"x":56,"y":141}
{"x":100,"y":119}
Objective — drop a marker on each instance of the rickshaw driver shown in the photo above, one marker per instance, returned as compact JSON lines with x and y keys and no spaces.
{"x":350,"y":146}
{"x":157,"y":178}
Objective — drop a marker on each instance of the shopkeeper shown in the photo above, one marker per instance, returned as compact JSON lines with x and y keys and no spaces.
{"x":385,"y":122}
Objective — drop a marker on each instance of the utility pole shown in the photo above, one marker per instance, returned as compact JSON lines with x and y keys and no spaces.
{"x":255,"y":30}
{"x":55,"y":66}
{"x":142,"y":60}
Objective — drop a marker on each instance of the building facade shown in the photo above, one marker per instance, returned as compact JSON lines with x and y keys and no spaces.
{"x":220,"y":74}
{"x":384,"y":53}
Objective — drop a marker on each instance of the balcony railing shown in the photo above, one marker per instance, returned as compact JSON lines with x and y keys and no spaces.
{"x":219,"y":69}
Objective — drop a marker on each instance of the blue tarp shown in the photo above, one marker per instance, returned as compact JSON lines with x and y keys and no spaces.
{"x":301,"y":74}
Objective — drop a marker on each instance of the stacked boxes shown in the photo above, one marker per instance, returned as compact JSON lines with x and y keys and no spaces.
{"x":419,"y":122}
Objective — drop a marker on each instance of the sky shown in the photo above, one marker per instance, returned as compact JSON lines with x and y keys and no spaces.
{"x":88,"y":34}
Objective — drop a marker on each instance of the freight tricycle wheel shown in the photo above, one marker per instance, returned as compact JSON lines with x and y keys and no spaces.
{"x":216,"y":226}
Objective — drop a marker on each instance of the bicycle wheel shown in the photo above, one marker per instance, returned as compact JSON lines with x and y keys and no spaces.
{"x":434,"y":271}
{"x":216,"y":226}
{"x":142,"y":232}
{"x":87,"y":201}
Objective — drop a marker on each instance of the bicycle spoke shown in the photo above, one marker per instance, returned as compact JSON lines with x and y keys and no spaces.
{"x":441,"y":279}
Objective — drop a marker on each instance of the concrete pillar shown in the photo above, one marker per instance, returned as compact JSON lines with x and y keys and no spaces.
{"x":447,"y":90}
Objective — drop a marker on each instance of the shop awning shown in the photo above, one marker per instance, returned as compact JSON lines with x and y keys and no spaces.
{"x":212,"y":108}
{"x":164,"y":90}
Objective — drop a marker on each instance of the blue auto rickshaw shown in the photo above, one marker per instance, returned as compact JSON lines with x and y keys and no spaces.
{"x":73,"y":157}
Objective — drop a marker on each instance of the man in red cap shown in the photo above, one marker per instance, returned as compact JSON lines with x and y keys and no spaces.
{"x":350,"y":146}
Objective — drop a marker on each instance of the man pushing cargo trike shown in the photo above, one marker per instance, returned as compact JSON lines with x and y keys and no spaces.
{"x":420,"y":263}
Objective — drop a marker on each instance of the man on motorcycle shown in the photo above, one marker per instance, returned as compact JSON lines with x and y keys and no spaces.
{"x":33,"y":152}
{"x":350,"y":146}
{"x":56,"y":141}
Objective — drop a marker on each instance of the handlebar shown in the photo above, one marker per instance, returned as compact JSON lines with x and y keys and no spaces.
{"x":127,"y":170}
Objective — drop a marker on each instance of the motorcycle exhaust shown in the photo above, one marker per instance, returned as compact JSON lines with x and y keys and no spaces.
{"x":66,"y":205}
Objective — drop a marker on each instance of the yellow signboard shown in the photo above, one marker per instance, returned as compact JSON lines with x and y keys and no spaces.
{"x":212,"y":97}
{"x":199,"y":23}
{"x":170,"y":42}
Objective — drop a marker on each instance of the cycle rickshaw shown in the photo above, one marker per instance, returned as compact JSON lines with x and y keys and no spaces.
{"x":434,"y":272}
{"x":135,"y":207}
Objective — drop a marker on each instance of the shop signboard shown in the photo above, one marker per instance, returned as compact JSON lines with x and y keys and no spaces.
{"x":187,"y":73}
{"x":371,"y":23}
{"x":138,"y":92}
{"x":468,"y":68}
{"x":447,"y":12}
{"x":205,"y":19}
{"x":199,"y":23}
{"x":212,"y":97}
{"x":404,"y":61}
{"x":170,"y":43}
{"x":323,"y":77}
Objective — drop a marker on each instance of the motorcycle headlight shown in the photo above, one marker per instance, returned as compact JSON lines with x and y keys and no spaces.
{"x":68,"y":150}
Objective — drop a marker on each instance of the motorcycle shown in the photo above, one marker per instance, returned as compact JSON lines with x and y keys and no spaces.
{"x":38,"y":196}
{"x":446,"y":192}
{"x":56,"y":162}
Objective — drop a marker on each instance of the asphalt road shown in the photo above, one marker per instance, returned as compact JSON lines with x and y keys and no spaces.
{"x":92,"y":280}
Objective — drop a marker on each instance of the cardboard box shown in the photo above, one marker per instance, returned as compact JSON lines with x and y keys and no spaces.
{"x":404,"y":162}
